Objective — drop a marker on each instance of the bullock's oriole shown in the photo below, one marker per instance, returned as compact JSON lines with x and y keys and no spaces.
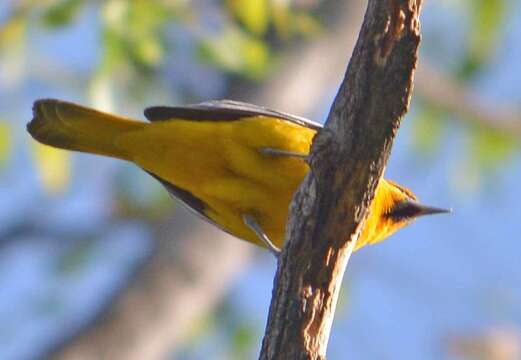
{"x":235,"y":164}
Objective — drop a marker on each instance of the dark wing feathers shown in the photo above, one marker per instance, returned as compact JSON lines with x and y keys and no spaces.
{"x":192,"y":203}
{"x":183,"y":195}
{"x":221,"y":110}
{"x":217,"y":110}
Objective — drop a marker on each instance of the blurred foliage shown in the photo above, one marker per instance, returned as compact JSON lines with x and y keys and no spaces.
{"x":491,"y":148}
{"x":244,"y":39}
{"x":221,"y":51}
{"x":427,"y":128}
{"x":53,"y":166}
{"x":252,"y":14}
{"x":135,"y":38}
{"x":488,"y":150}
{"x":5,"y":142}
{"x":135,"y":43}
{"x":12,"y":31}
{"x":256,"y":17}
{"x":61,"y":13}
{"x":237,"y":341}
{"x":134,"y":32}
{"x":486,"y":17}
{"x":242,"y":332}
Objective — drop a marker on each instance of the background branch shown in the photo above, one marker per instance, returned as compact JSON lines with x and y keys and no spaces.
{"x":347,"y":160}
{"x":447,"y":93}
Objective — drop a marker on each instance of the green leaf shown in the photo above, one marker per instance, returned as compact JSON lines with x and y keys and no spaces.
{"x":244,"y":337}
{"x":114,"y":50}
{"x":133,"y":33}
{"x":149,"y":51}
{"x":147,"y":20}
{"x":12,"y":33}
{"x":427,"y":129}
{"x":5,"y":142}
{"x":281,"y":18}
{"x":62,"y":13}
{"x":486,"y":19}
{"x":491,"y":149}
{"x":305,"y":24}
{"x":236,"y":51}
{"x":53,"y":166}
{"x":469,"y":66}
{"x":288,"y":23}
{"x":253,"y":14}
{"x":487,"y":152}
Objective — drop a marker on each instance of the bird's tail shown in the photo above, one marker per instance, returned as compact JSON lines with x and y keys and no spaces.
{"x":73,"y":127}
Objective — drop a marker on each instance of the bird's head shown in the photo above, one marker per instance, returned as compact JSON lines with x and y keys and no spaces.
{"x":393,"y":207}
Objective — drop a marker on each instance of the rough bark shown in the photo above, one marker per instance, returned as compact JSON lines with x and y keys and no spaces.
{"x":347,"y":160}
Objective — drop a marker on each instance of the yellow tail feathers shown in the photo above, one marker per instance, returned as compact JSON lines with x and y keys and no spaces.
{"x":74,"y":127}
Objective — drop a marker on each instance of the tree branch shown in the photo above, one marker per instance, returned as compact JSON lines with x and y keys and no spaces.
{"x":447,"y":93}
{"x":347,"y":160}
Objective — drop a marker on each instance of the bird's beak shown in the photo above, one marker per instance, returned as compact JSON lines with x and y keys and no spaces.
{"x":410,"y":209}
{"x":421,"y":210}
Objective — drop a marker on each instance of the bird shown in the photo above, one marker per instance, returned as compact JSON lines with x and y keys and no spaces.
{"x":234,"y":164}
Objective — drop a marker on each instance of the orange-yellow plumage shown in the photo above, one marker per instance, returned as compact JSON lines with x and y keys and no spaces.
{"x":218,"y":164}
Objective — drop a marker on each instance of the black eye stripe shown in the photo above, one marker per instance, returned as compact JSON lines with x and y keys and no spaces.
{"x":404,"y":210}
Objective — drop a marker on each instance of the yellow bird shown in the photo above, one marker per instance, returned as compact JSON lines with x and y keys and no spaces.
{"x":235,"y":164}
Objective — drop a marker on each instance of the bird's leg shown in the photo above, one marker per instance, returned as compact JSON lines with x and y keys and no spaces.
{"x":255,"y":227}
{"x":279,"y":152}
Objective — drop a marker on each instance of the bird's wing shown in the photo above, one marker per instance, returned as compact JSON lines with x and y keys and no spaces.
{"x":195,"y":205}
{"x":221,"y":110}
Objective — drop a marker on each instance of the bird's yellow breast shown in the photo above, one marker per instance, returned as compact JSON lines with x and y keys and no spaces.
{"x":221,"y":164}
